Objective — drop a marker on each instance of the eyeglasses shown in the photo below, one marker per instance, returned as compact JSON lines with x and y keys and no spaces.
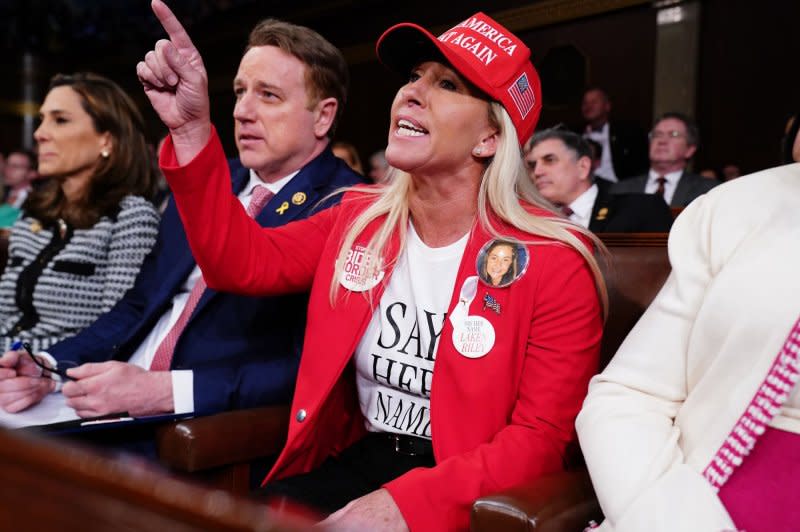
{"x":47,"y":371}
{"x":672,"y":134}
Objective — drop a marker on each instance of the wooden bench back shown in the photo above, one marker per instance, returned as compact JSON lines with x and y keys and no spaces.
{"x":639,"y":266}
{"x":57,"y":485}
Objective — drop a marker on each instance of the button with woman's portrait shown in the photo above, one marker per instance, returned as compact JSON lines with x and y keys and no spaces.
{"x":501,"y":262}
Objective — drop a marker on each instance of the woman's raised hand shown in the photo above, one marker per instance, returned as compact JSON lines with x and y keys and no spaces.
{"x":175,"y":80}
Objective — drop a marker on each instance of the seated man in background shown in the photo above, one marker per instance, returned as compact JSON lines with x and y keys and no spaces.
{"x":673,"y":143}
{"x":560,"y":164}
{"x":623,"y":144}
{"x":18,"y":175}
{"x":173,"y":345}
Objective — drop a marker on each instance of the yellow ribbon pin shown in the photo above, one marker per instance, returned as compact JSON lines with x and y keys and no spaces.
{"x":282,"y":208}
{"x":602,"y":213}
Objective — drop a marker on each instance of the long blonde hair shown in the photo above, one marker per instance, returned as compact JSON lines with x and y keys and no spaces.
{"x":504,"y":186}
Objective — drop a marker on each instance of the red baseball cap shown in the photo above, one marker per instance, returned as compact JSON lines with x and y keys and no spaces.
{"x":481,"y":50}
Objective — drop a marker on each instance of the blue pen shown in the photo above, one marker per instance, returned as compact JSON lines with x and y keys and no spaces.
{"x":27,"y":348}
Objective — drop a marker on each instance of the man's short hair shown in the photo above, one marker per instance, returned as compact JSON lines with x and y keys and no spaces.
{"x":692,"y":131}
{"x":327,"y":75}
{"x":599,"y":89}
{"x":575,"y":143}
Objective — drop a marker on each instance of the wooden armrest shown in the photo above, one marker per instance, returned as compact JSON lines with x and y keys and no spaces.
{"x":238,"y":436}
{"x":562,"y":501}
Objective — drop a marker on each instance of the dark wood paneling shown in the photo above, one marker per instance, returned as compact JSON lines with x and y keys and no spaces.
{"x":749,"y":81}
{"x":619,"y":48}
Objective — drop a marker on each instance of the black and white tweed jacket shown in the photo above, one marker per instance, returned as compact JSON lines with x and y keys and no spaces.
{"x":51,"y":290}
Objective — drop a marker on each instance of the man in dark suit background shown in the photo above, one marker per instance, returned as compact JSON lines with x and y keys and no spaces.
{"x":673,"y":143}
{"x":171,"y":345}
{"x":624,"y":144}
{"x":560,"y":165}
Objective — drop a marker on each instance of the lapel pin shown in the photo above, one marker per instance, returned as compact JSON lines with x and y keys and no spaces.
{"x":491,"y":303}
{"x":299,"y":198}
{"x":280,"y":210}
{"x":602,"y":213}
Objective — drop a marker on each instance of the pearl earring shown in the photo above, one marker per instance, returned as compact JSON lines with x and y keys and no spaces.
{"x":477,"y":151}
{"x":105,"y":154}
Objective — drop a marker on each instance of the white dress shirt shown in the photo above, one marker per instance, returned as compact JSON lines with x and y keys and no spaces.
{"x":583,"y":205}
{"x":669,"y":187}
{"x":183,"y":380}
{"x":606,"y":168}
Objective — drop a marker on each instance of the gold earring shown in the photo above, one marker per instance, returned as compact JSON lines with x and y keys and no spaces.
{"x":105,"y":154}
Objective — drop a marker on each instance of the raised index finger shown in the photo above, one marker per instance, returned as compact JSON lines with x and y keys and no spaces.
{"x":177,"y":33}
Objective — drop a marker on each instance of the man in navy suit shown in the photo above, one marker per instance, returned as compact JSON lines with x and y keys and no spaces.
{"x":173,"y":346}
{"x":673,"y":142}
{"x":560,"y":165}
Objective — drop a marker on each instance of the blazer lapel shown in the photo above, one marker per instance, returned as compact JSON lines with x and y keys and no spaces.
{"x":240,"y":176}
{"x":302,"y":193}
{"x":681,"y":191}
{"x":600,"y":209}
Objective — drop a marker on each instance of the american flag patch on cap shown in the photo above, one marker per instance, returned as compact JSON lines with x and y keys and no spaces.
{"x":522,"y":94}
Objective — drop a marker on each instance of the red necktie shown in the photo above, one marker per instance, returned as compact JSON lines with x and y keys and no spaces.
{"x":163,"y":357}
{"x":661,"y":180}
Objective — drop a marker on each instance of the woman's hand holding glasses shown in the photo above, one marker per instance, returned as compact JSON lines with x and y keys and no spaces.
{"x":21,"y":382}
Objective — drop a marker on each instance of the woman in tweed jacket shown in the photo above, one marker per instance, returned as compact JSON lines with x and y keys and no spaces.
{"x":83,"y":235}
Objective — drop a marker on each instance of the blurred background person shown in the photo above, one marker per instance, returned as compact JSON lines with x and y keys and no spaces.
{"x":348,"y":153}
{"x":82,"y":236}
{"x":731,"y":171}
{"x":18,"y":176}
{"x":790,"y":145}
{"x":673,"y":143}
{"x":624,"y":144}
{"x":378,"y":167}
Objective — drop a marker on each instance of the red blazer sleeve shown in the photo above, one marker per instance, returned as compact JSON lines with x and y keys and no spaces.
{"x":234,"y":253}
{"x":563,"y":344}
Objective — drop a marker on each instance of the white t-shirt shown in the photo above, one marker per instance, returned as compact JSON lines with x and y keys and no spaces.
{"x":394,"y":360}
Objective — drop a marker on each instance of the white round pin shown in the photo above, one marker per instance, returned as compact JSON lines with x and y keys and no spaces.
{"x":361,"y":271}
{"x":473,"y":337}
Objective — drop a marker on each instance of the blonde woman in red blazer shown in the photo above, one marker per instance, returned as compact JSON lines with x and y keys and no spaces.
{"x":512,"y":362}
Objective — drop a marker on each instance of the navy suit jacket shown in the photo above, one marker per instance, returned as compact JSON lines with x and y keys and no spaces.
{"x":628,"y":213}
{"x":244,"y":351}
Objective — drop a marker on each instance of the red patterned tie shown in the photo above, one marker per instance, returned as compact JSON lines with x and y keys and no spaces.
{"x":163,"y":357}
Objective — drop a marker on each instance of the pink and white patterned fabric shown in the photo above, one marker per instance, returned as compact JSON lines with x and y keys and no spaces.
{"x":764,"y":406}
